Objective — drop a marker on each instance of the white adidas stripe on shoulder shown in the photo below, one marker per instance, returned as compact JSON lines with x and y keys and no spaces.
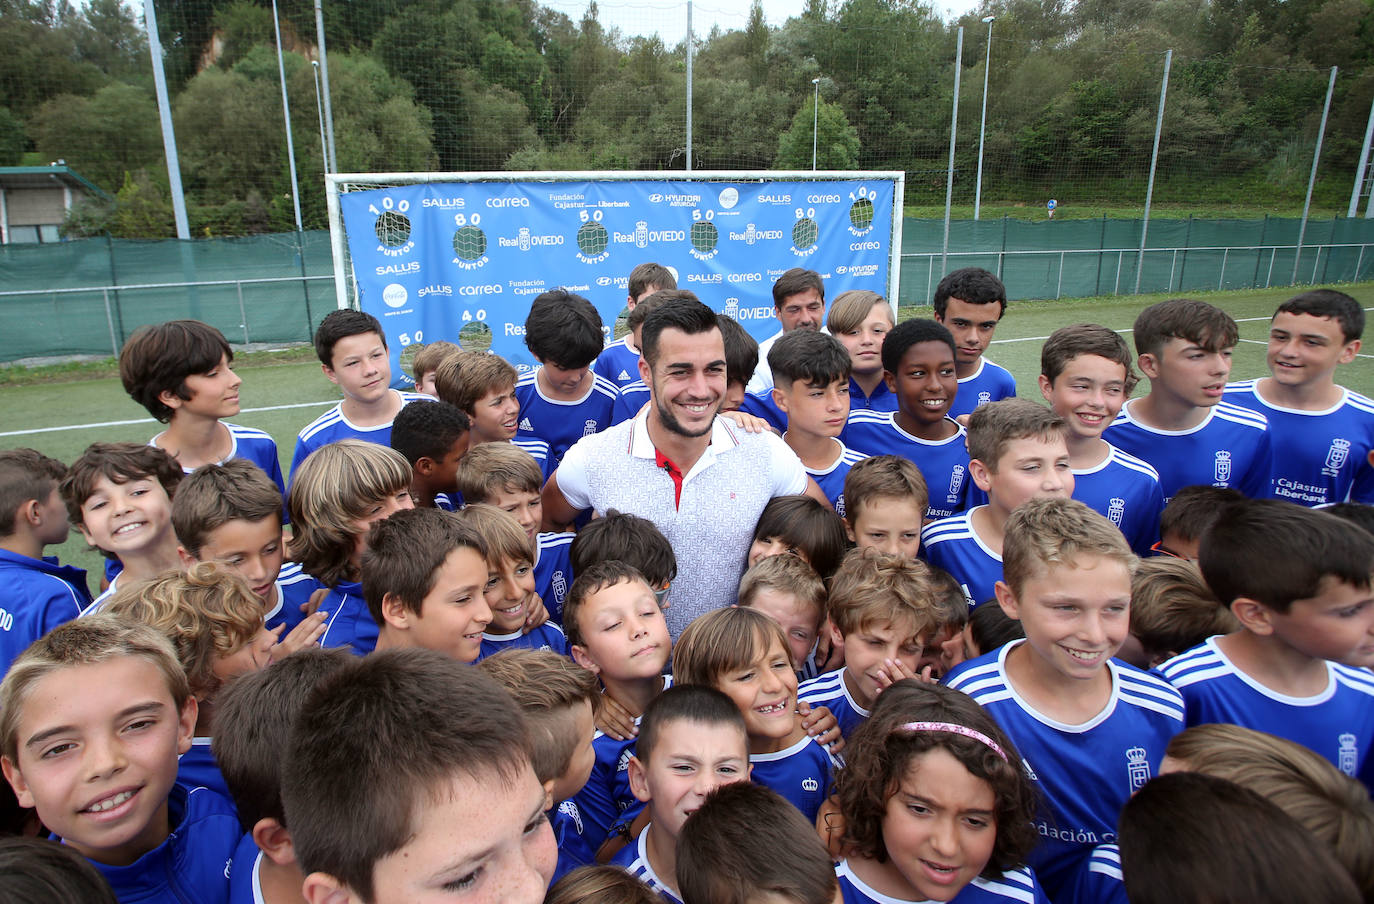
{"x":1238,"y":415}
{"x":1127,"y":460}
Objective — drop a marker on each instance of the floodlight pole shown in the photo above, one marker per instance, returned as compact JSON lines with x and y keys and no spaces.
{"x":815,"y":120}
{"x":164,"y":109}
{"x":1312,"y":179}
{"x":286,"y":113}
{"x":332,"y":161}
{"x":1364,"y":161}
{"x":689,"y":86}
{"x":953,"y":132}
{"x":983,"y":121}
{"x":1154,"y":161}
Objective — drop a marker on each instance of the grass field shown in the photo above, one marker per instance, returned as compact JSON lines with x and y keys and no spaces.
{"x":61,"y":418}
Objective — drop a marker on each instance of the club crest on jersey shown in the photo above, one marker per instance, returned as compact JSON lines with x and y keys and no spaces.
{"x":839,"y":505}
{"x":1116,"y":510}
{"x":1336,"y":456}
{"x":1221,"y":472}
{"x":984,"y":398}
{"x":560,"y":586}
{"x":810,"y":784}
{"x":956,"y":480}
{"x":1347,"y":754}
{"x":589,"y":427}
{"x":1137,"y":767}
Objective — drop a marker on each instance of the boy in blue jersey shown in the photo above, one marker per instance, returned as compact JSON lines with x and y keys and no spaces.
{"x":231,"y":514}
{"x":1322,"y":433}
{"x":799,"y":304}
{"x":744,"y":654}
{"x":691,"y":742}
{"x":424,"y":578}
{"x":482,"y":386}
{"x":253,"y":718}
{"x":426,"y":361}
{"x":433,"y":437}
{"x":885,"y":501}
{"x":92,"y":718}
{"x":509,"y":588}
{"x":562,"y":400}
{"x":119,"y":495}
{"x":1019,"y":452}
{"x":811,"y":387}
{"x":409,"y":778}
{"x":504,"y":476}
{"x":970,"y":303}
{"x":181,"y":372}
{"x":1182,"y":427}
{"x":882,"y":608}
{"x":1091,"y":730}
{"x":616,"y":631}
{"x":919,"y":365}
{"x":1299,"y":582}
{"x":352,"y":351}
{"x":40,"y":593}
{"x":861,"y":320}
{"x":618,"y":362}
{"x":632,"y":394}
{"x":557,"y":698}
{"x":1171,"y":611}
{"x":1086,"y":376}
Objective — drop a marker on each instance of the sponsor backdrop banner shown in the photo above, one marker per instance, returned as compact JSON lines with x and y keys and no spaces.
{"x":462,"y":261}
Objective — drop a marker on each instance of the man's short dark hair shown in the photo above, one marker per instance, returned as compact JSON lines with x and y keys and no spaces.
{"x":341,"y":324}
{"x":1339,"y":306}
{"x":908,"y":333}
{"x":428,"y":430}
{"x":817,"y":359}
{"x":160,"y":356}
{"x":971,"y":285}
{"x":1276,"y":552}
{"x":379,"y":736}
{"x":564,"y":329}
{"x":796,"y":281}
{"x":683,"y":312}
{"x":406,"y":550}
{"x":741,"y":350}
{"x":1198,"y":322}
{"x":623,"y":537}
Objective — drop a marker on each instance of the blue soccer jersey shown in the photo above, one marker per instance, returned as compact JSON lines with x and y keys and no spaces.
{"x":883,"y":398}
{"x":953,"y":544}
{"x":628,"y":401}
{"x":547,"y":636}
{"x":618,"y":362}
{"x":245,"y":886}
{"x":1126,"y":491}
{"x":831,"y":478}
{"x":539,"y":451}
{"x":1098,"y":881}
{"x":39,"y":595}
{"x":573,"y":850}
{"x":763,"y":406}
{"x":294,"y":589}
{"x":1230,"y":448}
{"x":634,"y":859}
{"x":250,"y":445}
{"x":559,"y":423}
{"x":333,"y":426}
{"x":192,"y":863}
{"x":1085,"y":772}
{"x":989,"y":383}
{"x":803,"y":773}
{"x":1337,"y":723}
{"x":553,"y":573}
{"x":349,"y":623}
{"x":1320,"y":457}
{"x":196,"y":768}
{"x":831,"y":691}
{"x":1018,"y":885}
{"x":943,"y":463}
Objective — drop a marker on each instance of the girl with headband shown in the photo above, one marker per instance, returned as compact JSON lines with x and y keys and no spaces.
{"x":936,"y":804}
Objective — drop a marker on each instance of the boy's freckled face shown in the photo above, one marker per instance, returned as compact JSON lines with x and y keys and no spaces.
{"x":1305,"y":349}
{"x":765,"y":692}
{"x":866,"y":649}
{"x":454,"y":613}
{"x":509,"y":592}
{"x":361,"y":368}
{"x":526,"y":505}
{"x":1028,"y":468}
{"x":801,"y":624}
{"x":251,"y":548}
{"x":972,"y":326}
{"x":623,"y":632}
{"x":479,"y":840}
{"x":1076,"y":616}
{"x":689,"y":761}
{"x":125,"y":518}
{"x":214,"y":393}
{"x":890,"y":524}
{"x":1190,"y":373}
{"x":925,"y":382}
{"x":97,"y":756}
{"x":1336,"y":624}
{"x":496,"y":415}
{"x":1088,"y":394}
{"x":818,"y":410}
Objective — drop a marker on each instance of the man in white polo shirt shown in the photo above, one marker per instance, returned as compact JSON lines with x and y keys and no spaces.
{"x":702,"y":480}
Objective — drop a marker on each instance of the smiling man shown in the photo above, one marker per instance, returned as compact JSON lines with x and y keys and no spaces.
{"x":799,"y":304}
{"x":700,"y":479}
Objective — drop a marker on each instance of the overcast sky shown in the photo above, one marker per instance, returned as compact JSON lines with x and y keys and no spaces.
{"x":669,"y":17}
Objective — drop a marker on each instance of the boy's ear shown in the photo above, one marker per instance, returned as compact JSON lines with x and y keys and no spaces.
{"x":1253,"y":616}
{"x":639,"y":783}
{"x":187,"y":560}
{"x":16,"y":780}
{"x":424,"y":465}
{"x":780,"y":399}
{"x":1348,"y":353}
{"x":849,"y":529}
{"x":394,"y":612}
{"x":548,"y":795}
{"x":890,"y":379}
{"x":329,"y":372}
{"x":275,"y":841}
{"x":1046,"y":386}
{"x":186,"y":724}
{"x":579,"y":655}
{"x":836,"y":636}
{"x":1149,"y":365}
{"x":645,"y":372}
{"x":1007,"y":600}
{"x":981,"y":474}
{"x":322,"y":888}
{"x":170,"y":399}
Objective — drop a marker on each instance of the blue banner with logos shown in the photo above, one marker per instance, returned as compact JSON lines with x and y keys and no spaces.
{"x":461,"y":261}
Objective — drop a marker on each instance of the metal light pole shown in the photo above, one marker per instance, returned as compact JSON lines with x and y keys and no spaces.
{"x":286,"y":112}
{"x":815,"y":120}
{"x":983,"y":123}
{"x":319,"y":110}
